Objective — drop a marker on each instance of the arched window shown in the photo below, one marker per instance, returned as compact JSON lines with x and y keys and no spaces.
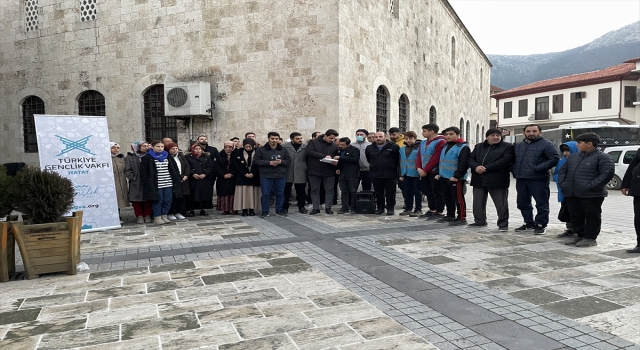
{"x":468,"y":132}
{"x":382,"y":109}
{"x":91,"y":102}
{"x":432,"y":115}
{"x":403,"y":113}
{"x":156,"y":125}
{"x":30,"y":106}
{"x":477,"y":133}
{"x":461,"y":127}
{"x":453,"y":51}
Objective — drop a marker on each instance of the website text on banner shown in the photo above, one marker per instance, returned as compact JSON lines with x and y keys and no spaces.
{"x":77,"y":147}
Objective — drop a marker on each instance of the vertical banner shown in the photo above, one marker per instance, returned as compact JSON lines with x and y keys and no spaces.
{"x":77,"y":147}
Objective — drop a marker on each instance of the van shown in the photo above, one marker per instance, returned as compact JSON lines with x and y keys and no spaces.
{"x":622,"y":157}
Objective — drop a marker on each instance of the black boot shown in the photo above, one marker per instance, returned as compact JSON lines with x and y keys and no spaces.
{"x":245,"y":212}
{"x":251,"y":212}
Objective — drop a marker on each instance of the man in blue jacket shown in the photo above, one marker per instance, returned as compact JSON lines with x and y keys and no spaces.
{"x":535,"y":156}
{"x":583,"y":179}
{"x":452,"y":174}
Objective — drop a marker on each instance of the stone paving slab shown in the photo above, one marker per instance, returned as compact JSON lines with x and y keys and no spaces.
{"x":333,"y":281}
{"x":195,"y":311}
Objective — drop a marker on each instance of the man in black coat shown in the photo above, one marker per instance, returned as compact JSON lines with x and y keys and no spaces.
{"x":631,"y":187}
{"x":535,"y":156}
{"x":321,"y":169}
{"x":349,"y":171}
{"x":490,"y":162}
{"x":384,"y":160}
{"x":583,"y":178}
{"x":213,"y":153}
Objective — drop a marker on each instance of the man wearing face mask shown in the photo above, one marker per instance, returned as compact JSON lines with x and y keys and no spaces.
{"x":361,"y":144}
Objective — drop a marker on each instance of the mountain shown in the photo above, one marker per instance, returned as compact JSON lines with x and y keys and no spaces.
{"x":611,"y":49}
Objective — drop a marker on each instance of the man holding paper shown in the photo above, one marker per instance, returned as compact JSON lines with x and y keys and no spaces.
{"x":321,"y":168}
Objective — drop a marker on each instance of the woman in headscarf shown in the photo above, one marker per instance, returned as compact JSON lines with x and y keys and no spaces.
{"x":247,"y":193}
{"x":200,"y":180}
{"x":141,"y":208}
{"x":179,"y":204}
{"x":226,"y":181}
{"x":119,"y":178}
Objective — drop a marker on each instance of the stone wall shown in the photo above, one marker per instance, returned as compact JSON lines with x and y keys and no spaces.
{"x":286,"y":65}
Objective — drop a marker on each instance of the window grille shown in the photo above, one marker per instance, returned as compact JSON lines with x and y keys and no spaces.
{"x":91,"y":102}
{"x":30,"y":106}
{"x":156,"y":125}
{"x":382,"y":109}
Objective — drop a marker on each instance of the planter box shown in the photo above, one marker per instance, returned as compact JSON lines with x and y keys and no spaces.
{"x":47,"y":248}
{"x":7,"y":251}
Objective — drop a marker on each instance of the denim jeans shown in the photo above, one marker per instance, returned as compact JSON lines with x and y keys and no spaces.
{"x":276,"y":185}
{"x":412,"y":193}
{"x":162,"y":206}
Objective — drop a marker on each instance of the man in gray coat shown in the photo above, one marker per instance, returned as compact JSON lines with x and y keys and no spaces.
{"x":361,"y":144}
{"x":582,"y":179}
{"x":297,"y":172}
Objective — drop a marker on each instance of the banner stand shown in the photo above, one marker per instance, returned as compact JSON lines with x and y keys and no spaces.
{"x":77,"y":147}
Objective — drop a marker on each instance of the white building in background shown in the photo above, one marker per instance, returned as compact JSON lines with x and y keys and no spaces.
{"x":270,"y":65}
{"x":610,"y":94}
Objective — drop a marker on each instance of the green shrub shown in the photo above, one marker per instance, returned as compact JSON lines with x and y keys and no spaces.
{"x":6,"y":182}
{"x":43,"y":196}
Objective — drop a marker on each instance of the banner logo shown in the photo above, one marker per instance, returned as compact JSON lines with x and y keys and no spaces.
{"x":80,"y":145}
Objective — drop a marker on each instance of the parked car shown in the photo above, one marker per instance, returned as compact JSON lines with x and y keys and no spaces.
{"x":621,"y":156}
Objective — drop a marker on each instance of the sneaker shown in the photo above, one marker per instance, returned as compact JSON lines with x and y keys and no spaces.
{"x":566,"y":234}
{"x":573,"y":240}
{"x":343,"y":211}
{"x":634,"y":250}
{"x":436,"y":217}
{"x":172,"y":217}
{"x":158,"y":221}
{"x":379,"y":212}
{"x":458,"y":222}
{"x":405,"y":213}
{"x":427,"y":215}
{"x":525,"y":227}
{"x":539,"y":230}
{"x":475,"y":224}
{"x":264,"y":215}
{"x":180,"y":216}
{"x":314,"y":212}
{"x":503,"y":228}
{"x":445,"y":219}
{"x":586,"y":242}
{"x":147,"y":220}
{"x":140,"y":220}
{"x":415,"y":214}
{"x":282,"y":213}
{"x":328,"y":211}
{"x":165,"y":219}
{"x":302,"y":210}
{"x":390,"y":212}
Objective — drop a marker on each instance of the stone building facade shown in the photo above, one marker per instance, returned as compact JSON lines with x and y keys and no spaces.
{"x":284,"y":65}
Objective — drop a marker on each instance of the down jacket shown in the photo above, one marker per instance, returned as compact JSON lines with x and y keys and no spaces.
{"x":534,"y":159}
{"x":585,"y":174}
{"x":573,"y":148}
{"x":497,"y":159}
{"x":631,"y":178}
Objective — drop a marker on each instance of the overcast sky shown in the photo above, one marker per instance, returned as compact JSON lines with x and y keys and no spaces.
{"x":524,"y":27}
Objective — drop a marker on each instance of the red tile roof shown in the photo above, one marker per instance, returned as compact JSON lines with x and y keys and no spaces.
{"x":633,"y":60}
{"x":610,"y":72}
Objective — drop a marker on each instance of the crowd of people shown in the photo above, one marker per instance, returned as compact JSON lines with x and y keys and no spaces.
{"x":163,"y":183}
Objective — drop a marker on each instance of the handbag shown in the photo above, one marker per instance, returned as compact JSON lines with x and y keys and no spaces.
{"x":563,"y":214}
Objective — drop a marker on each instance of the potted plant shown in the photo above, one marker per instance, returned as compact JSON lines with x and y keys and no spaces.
{"x":7,"y":245}
{"x":48,"y":242}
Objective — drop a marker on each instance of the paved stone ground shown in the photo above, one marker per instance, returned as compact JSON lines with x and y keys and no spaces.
{"x":334,"y":282}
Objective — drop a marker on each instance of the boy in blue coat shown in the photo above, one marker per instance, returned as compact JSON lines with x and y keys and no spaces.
{"x":566,"y":149}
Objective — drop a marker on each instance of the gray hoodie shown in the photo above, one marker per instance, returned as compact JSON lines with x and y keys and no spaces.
{"x":364,"y":164}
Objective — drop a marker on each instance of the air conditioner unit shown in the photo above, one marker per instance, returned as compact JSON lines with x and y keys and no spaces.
{"x":187,"y":99}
